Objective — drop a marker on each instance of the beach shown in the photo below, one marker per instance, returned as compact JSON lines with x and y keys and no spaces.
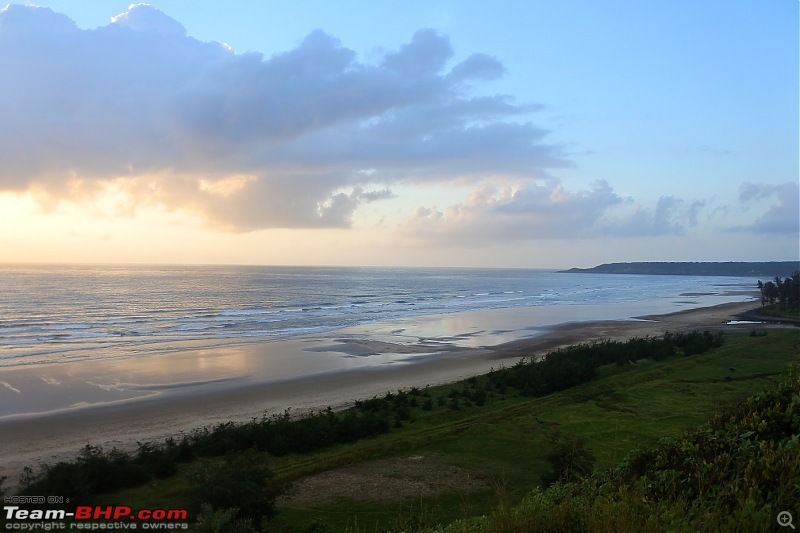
{"x":396,"y":363}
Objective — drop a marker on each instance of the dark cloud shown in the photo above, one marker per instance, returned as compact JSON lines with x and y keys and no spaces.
{"x":139,"y":98}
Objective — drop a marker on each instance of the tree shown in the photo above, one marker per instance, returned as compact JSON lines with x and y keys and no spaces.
{"x":784,"y":292}
{"x":769,"y":293}
{"x":794,"y":292}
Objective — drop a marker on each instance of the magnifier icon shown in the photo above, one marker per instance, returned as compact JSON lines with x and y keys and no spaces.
{"x":785,"y":519}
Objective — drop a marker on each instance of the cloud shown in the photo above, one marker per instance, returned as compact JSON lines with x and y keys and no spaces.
{"x":528,"y":210}
{"x":477,"y":67}
{"x":143,"y":17}
{"x":245,"y":140}
{"x":425,"y":55}
{"x":670,"y":216}
{"x":783,"y":213}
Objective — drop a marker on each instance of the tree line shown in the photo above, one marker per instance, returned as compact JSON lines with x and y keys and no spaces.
{"x":783,"y":294}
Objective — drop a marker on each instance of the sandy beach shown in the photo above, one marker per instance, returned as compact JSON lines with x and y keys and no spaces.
{"x":30,"y":440}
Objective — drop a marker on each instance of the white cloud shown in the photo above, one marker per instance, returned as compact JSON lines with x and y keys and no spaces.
{"x":145,"y":18}
{"x":528,"y":210}
{"x":138,"y":113}
{"x":179,"y":120}
{"x":782,"y":216}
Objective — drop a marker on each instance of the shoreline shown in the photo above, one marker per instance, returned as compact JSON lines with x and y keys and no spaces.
{"x":30,"y":440}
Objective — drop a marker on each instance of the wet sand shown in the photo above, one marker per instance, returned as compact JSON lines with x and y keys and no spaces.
{"x":30,"y":440}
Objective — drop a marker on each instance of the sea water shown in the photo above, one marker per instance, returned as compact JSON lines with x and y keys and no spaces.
{"x":70,"y":313}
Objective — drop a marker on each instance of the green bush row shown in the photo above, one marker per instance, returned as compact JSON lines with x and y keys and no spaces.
{"x":96,"y":471}
{"x":574,"y":365}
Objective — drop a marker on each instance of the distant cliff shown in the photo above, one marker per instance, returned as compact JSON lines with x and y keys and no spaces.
{"x":768,"y":269}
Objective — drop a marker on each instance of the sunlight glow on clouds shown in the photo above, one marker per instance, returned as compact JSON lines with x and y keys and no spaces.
{"x":140,"y":97}
{"x":137,"y":119}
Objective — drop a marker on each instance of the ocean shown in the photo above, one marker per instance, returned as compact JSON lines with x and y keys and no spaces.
{"x":72,"y":313}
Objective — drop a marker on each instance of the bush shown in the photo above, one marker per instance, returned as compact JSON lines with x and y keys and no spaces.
{"x":211,"y":520}
{"x":93,"y":472}
{"x":569,"y":457}
{"x":242,"y":482}
{"x":567,"y":367}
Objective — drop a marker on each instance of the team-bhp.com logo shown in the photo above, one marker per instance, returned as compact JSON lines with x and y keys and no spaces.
{"x":94,"y":517}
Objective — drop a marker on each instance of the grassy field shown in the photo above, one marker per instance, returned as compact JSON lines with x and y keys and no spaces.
{"x":457,"y":459}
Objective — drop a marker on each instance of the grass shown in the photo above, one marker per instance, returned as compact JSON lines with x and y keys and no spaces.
{"x":503,"y":443}
{"x":736,"y":472}
{"x":662,"y":399}
{"x":776,"y":312}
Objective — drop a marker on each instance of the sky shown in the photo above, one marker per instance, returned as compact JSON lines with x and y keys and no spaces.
{"x":540,"y":134}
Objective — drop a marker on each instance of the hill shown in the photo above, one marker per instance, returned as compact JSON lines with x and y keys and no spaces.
{"x":768,"y":269}
{"x":737,"y":472}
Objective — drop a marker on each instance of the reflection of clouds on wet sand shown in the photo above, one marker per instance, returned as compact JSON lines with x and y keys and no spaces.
{"x":197,"y":370}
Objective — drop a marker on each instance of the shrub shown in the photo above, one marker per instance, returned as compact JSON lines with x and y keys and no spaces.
{"x":241,"y":482}
{"x":569,"y":457}
{"x":211,"y":520}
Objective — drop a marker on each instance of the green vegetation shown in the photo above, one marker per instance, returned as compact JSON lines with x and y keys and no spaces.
{"x":781,"y":297}
{"x":735,"y":473}
{"x":483,"y":444}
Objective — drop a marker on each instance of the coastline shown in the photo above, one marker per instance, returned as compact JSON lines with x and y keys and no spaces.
{"x":28,"y":441}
